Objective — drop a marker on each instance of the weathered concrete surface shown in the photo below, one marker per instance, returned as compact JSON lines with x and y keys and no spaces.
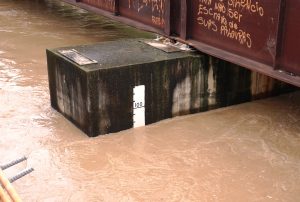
{"x":98,"y":97}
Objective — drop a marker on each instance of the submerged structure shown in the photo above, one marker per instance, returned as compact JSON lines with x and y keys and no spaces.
{"x":117,"y":85}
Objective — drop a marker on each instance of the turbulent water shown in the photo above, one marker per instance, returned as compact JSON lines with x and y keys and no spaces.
{"x":249,"y":152}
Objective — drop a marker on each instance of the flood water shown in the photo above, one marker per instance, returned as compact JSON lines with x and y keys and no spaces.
{"x":249,"y":152}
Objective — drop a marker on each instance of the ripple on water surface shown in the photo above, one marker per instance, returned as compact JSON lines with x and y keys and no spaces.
{"x":248,"y":152}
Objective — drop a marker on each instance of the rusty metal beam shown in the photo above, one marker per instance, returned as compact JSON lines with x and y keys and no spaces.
{"x":257,"y":37}
{"x":167,"y":28}
{"x":245,"y":62}
{"x":183,"y":19}
{"x":118,"y":18}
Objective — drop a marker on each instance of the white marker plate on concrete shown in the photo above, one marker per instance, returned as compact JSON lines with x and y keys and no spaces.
{"x":138,"y":106}
{"x":77,"y":57}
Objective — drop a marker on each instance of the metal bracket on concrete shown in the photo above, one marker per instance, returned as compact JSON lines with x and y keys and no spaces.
{"x":77,"y":57}
{"x":168,"y":45}
{"x":168,"y":48}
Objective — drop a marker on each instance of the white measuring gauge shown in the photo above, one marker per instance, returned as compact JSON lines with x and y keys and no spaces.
{"x":139,"y":106}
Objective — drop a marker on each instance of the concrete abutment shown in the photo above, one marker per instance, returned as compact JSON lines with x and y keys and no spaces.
{"x":98,"y":98}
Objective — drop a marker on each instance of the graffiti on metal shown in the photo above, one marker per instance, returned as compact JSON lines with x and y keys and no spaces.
{"x":150,"y":12}
{"x":225,"y":18}
{"x":248,"y":28}
{"x":257,"y":34}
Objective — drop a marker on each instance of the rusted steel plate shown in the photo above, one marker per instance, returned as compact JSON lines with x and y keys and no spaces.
{"x":290,"y":51}
{"x":150,"y":12}
{"x":247,"y":28}
{"x":108,"y":5}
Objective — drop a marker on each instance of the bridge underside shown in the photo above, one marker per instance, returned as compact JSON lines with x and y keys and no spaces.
{"x":261,"y":36}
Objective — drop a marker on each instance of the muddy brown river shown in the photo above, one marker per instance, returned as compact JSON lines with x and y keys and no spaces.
{"x":248,"y":152}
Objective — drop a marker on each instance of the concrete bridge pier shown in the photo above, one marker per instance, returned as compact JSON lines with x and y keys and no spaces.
{"x":113,"y":86}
